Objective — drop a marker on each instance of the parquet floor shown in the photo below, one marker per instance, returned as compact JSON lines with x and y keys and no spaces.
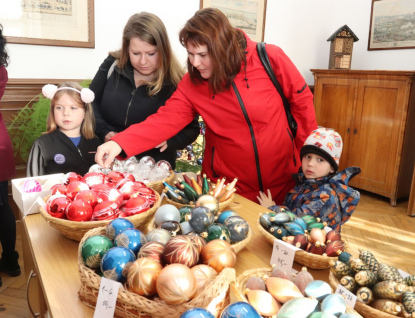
{"x":386,"y":231}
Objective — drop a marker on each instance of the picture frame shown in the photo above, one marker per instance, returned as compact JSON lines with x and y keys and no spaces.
{"x":248,"y":16}
{"x":391,"y":25}
{"x":50,"y":22}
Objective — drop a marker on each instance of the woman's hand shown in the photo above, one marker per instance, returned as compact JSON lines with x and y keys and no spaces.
{"x":109,"y":136}
{"x":163,"y":146}
{"x":106,"y":153}
{"x":265,"y":201}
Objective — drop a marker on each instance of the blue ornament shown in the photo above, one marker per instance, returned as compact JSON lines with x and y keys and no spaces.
{"x":199,"y":161}
{"x":189,"y":147}
{"x":224,"y":215}
{"x":132,"y":239}
{"x":240,"y":309}
{"x":238,"y":228}
{"x":200,"y":218}
{"x":115,"y":263}
{"x":197,"y":313}
{"x":117,"y":226}
{"x":178,"y":154}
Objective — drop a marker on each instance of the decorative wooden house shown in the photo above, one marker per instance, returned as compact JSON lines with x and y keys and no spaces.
{"x":341,"y":48}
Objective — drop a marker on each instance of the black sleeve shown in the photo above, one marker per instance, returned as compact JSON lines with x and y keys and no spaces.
{"x":186,"y":136}
{"x":98,"y":87}
{"x":36,"y":162}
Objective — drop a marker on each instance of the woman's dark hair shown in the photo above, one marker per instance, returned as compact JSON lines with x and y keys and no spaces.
{"x":4,"y":57}
{"x":225,"y":46}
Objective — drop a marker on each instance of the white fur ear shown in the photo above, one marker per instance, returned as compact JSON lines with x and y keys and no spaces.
{"x":87,"y":95}
{"x":49,"y":90}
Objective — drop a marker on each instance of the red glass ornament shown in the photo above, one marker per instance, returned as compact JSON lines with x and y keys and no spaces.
{"x":129,"y":176}
{"x":57,"y":207}
{"x":88,"y":196}
{"x":126,"y":188}
{"x":181,"y":249}
{"x":74,"y":187}
{"x":106,"y":193}
{"x":135,"y":205}
{"x":93,"y":178}
{"x":114,"y":177}
{"x":147,"y":193}
{"x":71,"y":176}
{"x":105,"y":210}
{"x":79,"y":211}
{"x":58,"y":188}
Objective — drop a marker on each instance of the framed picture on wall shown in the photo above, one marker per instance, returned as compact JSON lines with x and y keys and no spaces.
{"x":247,"y":15}
{"x":49,"y":22}
{"x":392,"y":25}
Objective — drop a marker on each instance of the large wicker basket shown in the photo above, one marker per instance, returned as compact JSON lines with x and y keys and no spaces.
{"x":236,"y":246}
{"x":365,"y":310}
{"x":309,"y":260}
{"x":158,"y":186}
{"x":215,"y":297}
{"x":237,"y":290}
{"x":76,"y":230}
{"x":222,"y":205}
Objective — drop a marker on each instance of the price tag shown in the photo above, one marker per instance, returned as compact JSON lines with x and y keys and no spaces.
{"x":107,"y":297}
{"x":403,"y":274}
{"x":348,"y":296}
{"x":283,"y":255}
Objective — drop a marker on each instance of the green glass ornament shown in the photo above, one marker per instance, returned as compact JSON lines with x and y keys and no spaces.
{"x":94,"y":249}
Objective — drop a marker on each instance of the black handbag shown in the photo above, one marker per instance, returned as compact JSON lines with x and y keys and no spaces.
{"x":262,"y":52}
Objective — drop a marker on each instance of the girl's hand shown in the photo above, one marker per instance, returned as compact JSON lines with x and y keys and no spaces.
{"x":109,"y":136}
{"x":265,"y":201}
{"x":163,"y":146}
{"x":106,"y":153}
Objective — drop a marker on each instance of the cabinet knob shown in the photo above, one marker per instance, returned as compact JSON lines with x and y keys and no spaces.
{"x":355,"y":131}
{"x":348,"y":129}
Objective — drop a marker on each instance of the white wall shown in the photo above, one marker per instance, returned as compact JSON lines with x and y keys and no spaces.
{"x":300,"y":27}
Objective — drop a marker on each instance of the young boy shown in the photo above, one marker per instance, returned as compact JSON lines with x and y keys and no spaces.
{"x":320,"y":189}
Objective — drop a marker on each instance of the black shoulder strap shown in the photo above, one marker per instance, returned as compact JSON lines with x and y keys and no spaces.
{"x":262,"y":52}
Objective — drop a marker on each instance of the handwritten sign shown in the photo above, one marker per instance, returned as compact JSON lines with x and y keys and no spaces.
{"x":107,"y":297}
{"x":283,"y":255}
{"x":348,"y":296}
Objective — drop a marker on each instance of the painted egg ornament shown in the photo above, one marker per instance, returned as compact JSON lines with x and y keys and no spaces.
{"x":158,"y":235}
{"x":74,"y":187}
{"x":176,"y":284}
{"x":105,"y":210}
{"x":318,"y":289}
{"x":94,"y":249}
{"x":132,"y":239}
{"x":204,"y":275}
{"x":142,"y":276}
{"x":197,"y":312}
{"x":208,"y":201}
{"x":200,"y":218}
{"x":79,"y":211}
{"x":184,"y":211}
{"x":263,"y":302}
{"x":172,"y":226}
{"x":135,"y":205}
{"x":154,"y":250}
{"x":224,"y":215}
{"x":117,"y":226}
{"x":240,"y":309}
{"x":264,"y":220}
{"x":219,"y":254}
{"x":116,"y":262}
{"x":334,"y":304}
{"x":31,"y":185}
{"x":70,"y":177}
{"x":238,"y":228}
{"x":56,"y":206}
{"x":88,"y":196}
{"x":217,"y":231}
{"x":167,"y":212}
{"x":93,"y":178}
{"x":181,"y":249}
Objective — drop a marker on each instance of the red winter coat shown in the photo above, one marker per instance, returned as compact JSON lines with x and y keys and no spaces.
{"x":7,"y":169}
{"x":247,"y":135}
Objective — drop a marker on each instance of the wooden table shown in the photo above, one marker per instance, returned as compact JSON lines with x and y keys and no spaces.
{"x":54,"y":258}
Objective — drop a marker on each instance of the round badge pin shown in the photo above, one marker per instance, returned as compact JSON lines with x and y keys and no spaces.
{"x":59,"y":159}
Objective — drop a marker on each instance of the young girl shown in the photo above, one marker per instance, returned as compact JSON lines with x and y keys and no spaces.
{"x":69,"y":144}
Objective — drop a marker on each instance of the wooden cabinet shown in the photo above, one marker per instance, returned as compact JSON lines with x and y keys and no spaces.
{"x":374,"y":112}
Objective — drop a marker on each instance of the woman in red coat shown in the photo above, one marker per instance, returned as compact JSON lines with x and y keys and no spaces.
{"x":8,"y":261}
{"x":247,"y":133}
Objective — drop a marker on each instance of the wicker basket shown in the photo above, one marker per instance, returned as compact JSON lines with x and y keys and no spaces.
{"x":309,"y":260}
{"x":236,"y":246}
{"x":237,"y":289}
{"x":363,"y":309}
{"x":215,"y":297}
{"x":222,"y":205}
{"x":76,"y":230}
{"x":158,"y":186}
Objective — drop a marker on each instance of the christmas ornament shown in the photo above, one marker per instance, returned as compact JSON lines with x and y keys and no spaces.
{"x":158,"y":235}
{"x":238,"y":228}
{"x":198,"y":240}
{"x":152,"y":250}
{"x":204,"y":275}
{"x":71,"y":176}
{"x":219,"y":254}
{"x":79,"y":211}
{"x":181,"y":249}
{"x":189,"y":147}
{"x":117,"y":226}
{"x":116,"y":262}
{"x":132,"y":239}
{"x":166,"y":212}
{"x":109,"y":194}
{"x":49,"y":183}
{"x":146,"y":192}
{"x":88,"y":196}
{"x":135,"y":205}
{"x":58,"y":188}
{"x":129,"y":176}
{"x":142,"y":276}
{"x":210,"y":202}
{"x":74,"y":187}
{"x":95,"y":168}
{"x":184,"y":211}
{"x":240,"y":309}
{"x":200,"y":218}
{"x":130,"y":164}
{"x":93,"y":178}
{"x":197,"y":312}
{"x":224,"y":215}
{"x":148,"y":161}
{"x":176,"y":284}
{"x":31,"y":185}
{"x":126,"y":188}
{"x":186,"y":228}
{"x":164,"y":164}
{"x":94,"y":249}
{"x":172,"y":226}
{"x":199,"y":161}
{"x":178,"y":154}
{"x":105,"y":210}
{"x":114,"y":177}
{"x":57,"y":206}
{"x":217,"y":231}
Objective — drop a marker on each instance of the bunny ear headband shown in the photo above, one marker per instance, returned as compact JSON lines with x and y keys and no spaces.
{"x":49,"y":91}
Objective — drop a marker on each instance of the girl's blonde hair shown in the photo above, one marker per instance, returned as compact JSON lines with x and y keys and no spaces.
{"x":88,"y":125}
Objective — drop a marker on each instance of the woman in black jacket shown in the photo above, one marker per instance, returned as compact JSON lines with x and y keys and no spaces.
{"x":135,"y":81}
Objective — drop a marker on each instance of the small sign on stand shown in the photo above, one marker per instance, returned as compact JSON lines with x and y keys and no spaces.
{"x":107,"y":298}
{"x":283,"y":255}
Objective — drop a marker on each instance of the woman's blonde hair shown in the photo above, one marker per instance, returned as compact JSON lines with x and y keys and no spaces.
{"x":149,"y":28}
{"x":88,"y":125}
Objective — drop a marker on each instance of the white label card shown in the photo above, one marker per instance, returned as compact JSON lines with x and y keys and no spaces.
{"x":283,"y":255}
{"x":348,"y":296}
{"x":107,"y":297}
{"x":403,"y":274}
